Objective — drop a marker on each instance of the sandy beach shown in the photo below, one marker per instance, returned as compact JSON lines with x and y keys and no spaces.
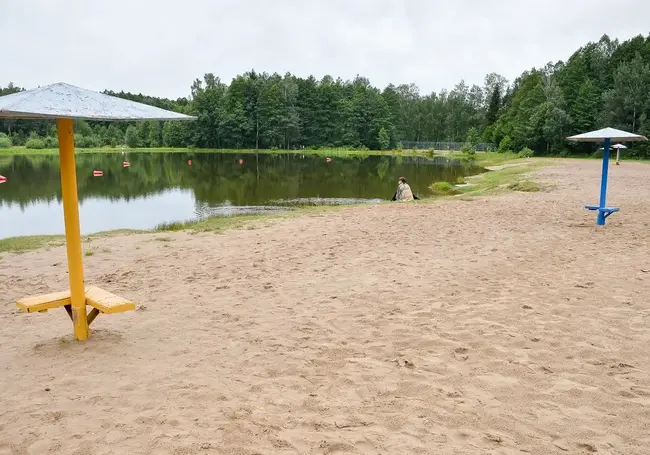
{"x":506,"y":324}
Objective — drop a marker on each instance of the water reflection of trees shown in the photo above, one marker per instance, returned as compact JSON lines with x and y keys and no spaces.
{"x":218,"y":177}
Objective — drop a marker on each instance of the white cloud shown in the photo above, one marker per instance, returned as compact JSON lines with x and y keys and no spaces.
{"x":159,"y":47}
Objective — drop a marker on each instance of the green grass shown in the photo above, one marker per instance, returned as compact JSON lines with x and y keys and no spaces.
{"x":443,"y":189}
{"x":331,"y":152}
{"x":324,"y":152}
{"x":55,"y":151}
{"x":509,"y":178}
{"x":32,"y":242}
{"x":526,"y":186}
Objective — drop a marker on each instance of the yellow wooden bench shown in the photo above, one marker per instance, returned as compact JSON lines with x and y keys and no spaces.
{"x":102,"y":302}
{"x":42,"y":303}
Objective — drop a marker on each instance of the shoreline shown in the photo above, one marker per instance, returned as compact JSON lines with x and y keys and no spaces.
{"x":323,"y":151}
{"x":482,"y":184}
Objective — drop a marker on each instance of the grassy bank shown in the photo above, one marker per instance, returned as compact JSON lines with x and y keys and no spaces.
{"x":320,"y":152}
{"x":481,"y":158}
{"x":512,"y":176}
{"x":32,"y":242}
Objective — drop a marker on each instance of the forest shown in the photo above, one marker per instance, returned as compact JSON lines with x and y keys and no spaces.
{"x":604,"y":83}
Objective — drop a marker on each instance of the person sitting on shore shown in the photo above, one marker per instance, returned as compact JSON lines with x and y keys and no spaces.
{"x":403,"y":192}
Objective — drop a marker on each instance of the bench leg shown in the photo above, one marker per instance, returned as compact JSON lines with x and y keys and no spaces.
{"x":92,"y":315}
{"x":68,"y":309}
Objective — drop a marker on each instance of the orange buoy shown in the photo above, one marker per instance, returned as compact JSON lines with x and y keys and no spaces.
{"x":126,"y":164}
{"x":189,"y":162}
{"x":3,"y":179}
{"x":329,"y":160}
{"x":98,"y":173}
{"x":241,"y":161}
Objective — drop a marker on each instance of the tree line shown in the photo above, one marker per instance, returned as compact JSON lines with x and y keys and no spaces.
{"x":604,"y":83}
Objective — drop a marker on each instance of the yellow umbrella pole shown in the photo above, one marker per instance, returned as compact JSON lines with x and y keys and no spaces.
{"x":72,"y":231}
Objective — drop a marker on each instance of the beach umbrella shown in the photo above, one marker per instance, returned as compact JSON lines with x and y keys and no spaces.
{"x":618,"y":148}
{"x":606,"y":136}
{"x":65,"y":103}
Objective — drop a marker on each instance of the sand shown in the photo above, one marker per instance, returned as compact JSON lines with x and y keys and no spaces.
{"x":500,"y":325}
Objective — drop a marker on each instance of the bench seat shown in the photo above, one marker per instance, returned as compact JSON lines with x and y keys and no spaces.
{"x":602,"y":209}
{"x":42,"y":303}
{"x":106,"y":302}
{"x":102,"y":300}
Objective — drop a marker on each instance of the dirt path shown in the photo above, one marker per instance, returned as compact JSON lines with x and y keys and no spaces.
{"x":504,"y":325}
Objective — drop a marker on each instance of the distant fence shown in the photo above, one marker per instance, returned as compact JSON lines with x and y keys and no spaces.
{"x":455,"y":146}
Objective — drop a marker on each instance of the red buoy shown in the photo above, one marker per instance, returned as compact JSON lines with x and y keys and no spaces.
{"x":241,"y":161}
{"x":98,"y":173}
{"x":126,"y":164}
{"x":189,"y":162}
{"x":329,"y":160}
{"x":3,"y":179}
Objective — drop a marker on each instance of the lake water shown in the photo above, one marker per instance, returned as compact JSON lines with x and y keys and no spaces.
{"x":163,"y":187}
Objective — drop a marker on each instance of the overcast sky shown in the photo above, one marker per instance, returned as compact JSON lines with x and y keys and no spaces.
{"x":159,"y":47}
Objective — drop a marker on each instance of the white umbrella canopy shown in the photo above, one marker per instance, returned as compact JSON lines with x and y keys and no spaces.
{"x":615,"y":146}
{"x":607,"y":133}
{"x":63,"y":100}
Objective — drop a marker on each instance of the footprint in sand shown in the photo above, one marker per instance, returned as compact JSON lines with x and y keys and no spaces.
{"x":493,"y":438}
{"x":640,"y":392}
{"x":461,"y":354}
{"x":588,"y":447}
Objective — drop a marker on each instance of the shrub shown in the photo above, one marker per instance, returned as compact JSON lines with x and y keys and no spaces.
{"x":17,"y":139}
{"x":35,"y":142}
{"x":598,"y":154}
{"x":525,"y":153}
{"x":468,"y":159}
{"x":400,"y":146}
{"x":131,"y":137}
{"x":5,"y":141}
{"x":383,"y":138}
{"x":443,"y":189}
{"x":473,"y":137}
{"x":505,"y":146}
{"x":564,"y":154}
{"x":468,"y":149}
{"x":51,"y":142}
{"x":86,"y":141}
